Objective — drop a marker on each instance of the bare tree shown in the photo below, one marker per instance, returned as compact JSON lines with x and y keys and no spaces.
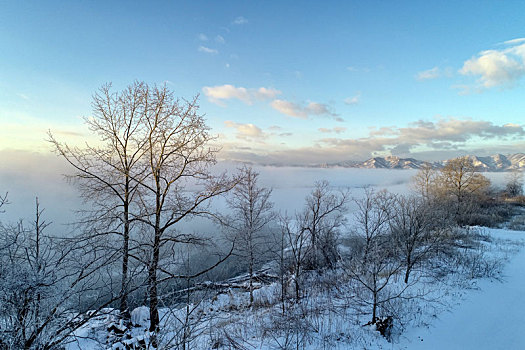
{"x":179,"y":182}
{"x":514,"y":186}
{"x":251,"y":213}
{"x":418,"y":229}
{"x":311,"y":237}
{"x":463,"y":184}
{"x":296,"y":240}
{"x":374,"y":262}
{"x":108,"y":176}
{"x":43,"y":284}
{"x":322,"y":218}
{"x":424,"y":181}
{"x":25,"y":255}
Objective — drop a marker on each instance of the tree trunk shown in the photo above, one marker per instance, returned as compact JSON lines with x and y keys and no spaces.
{"x":153,"y":292}
{"x":297,"y":288}
{"x":407,"y":272}
{"x":153,"y":296}
{"x":124,"y":312}
{"x":374,"y":309}
{"x":250,"y":271}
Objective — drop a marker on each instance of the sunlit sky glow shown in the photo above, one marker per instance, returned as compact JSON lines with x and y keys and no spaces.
{"x":279,"y":82}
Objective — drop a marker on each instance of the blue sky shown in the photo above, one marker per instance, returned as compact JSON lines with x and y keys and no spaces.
{"x":279,"y":82}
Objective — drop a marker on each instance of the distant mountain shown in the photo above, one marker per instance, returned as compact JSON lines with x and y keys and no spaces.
{"x":499,"y":162}
{"x":390,"y":162}
{"x":496,"y":162}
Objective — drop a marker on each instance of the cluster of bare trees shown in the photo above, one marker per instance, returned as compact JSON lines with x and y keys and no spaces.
{"x":393,"y":242}
{"x":458,"y":185}
{"x":151,"y":171}
{"x":311,"y":237}
{"x":395,"y":236}
{"x":45,"y":281}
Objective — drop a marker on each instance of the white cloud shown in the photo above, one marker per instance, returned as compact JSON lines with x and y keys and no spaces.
{"x":336,"y":130}
{"x":289,"y":108}
{"x":246,"y":131}
{"x":504,"y":67}
{"x":202,"y":37}
{"x":299,"y":111}
{"x":353,"y":100}
{"x":220,"y":39}
{"x":514,"y":41}
{"x":217,"y":94}
{"x":208,"y":50}
{"x":318,"y":109}
{"x":428,"y":74}
{"x":240,"y":20}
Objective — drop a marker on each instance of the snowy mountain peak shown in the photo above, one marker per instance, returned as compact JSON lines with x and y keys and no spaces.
{"x":496,"y":162}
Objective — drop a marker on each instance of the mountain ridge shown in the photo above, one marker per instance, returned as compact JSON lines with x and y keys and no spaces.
{"x":492,"y":163}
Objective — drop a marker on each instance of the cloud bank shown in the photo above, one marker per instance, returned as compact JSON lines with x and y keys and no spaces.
{"x":431,"y":140}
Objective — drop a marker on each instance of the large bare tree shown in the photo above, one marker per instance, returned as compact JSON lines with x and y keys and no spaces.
{"x":108,"y":174}
{"x":152,"y":170}
{"x":179,"y":183}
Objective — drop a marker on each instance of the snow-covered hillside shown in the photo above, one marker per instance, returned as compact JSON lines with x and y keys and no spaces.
{"x":461,"y":311}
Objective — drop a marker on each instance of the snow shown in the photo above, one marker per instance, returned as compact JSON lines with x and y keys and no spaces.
{"x":140,"y":317}
{"x":492,"y":317}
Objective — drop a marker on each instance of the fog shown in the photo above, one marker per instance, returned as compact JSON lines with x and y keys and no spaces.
{"x":28,"y":175}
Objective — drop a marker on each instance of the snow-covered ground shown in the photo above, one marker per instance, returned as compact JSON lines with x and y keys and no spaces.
{"x":472,"y":313}
{"x":489,"y":318}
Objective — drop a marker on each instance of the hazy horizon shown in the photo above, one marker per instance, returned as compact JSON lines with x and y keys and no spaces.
{"x":42,"y":176}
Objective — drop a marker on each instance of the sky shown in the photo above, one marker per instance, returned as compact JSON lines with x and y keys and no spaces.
{"x":280,"y":82}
